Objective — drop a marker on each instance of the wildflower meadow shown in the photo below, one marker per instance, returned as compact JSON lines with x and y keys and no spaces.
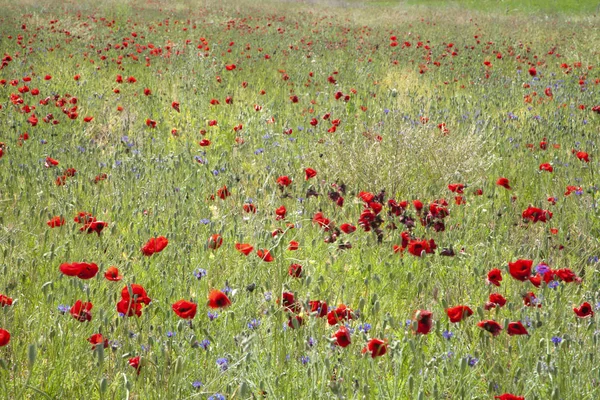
{"x":241,"y":199}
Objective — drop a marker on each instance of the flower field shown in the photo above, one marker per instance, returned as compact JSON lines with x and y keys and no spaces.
{"x":289,"y":200}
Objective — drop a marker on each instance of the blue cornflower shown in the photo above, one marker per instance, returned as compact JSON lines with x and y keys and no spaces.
{"x":255,"y":323}
{"x":223,"y":363}
{"x":63,"y":309}
{"x":217,"y":396}
{"x":542,"y":268}
{"x":197,"y":384}
{"x":212,"y":316}
{"x":364,"y":327}
{"x":311,"y":342}
{"x":204,"y":344}
{"x":171,"y":334}
{"x":305,"y":360}
{"x":472,"y":360}
{"x":268,"y":296}
{"x":556,"y":340}
{"x":447,"y":335}
{"x":554,"y":284}
{"x":205,"y":221}
{"x":200,"y":273}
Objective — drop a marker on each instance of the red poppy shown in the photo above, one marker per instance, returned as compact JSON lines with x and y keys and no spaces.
{"x":508,"y":396}
{"x":230,"y":67}
{"x":342,"y":337}
{"x":293,"y":246}
{"x":418,"y":247}
{"x":135,"y":362}
{"x":284,"y":181}
{"x":530,"y":300}
{"x":424,"y":320}
{"x":457,"y":313}
{"x":5,"y":301}
{"x":295,"y":270}
{"x":496,"y":299}
{"x":112,"y":274}
{"x":503,"y":182}
{"x":491,"y":326}
{"x":215,"y":241}
{"x":309,"y":173}
{"x":341,"y":313}
{"x":280,"y":213}
{"x":535,"y":214}
{"x":347,"y":228}
{"x":295,"y":321}
{"x":94,"y":226}
{"x":81,"y":270}
{"x":546,"y":167}
{"x":185,"y":309}
{"x":532,"y":71}
{"x":4,"y":337}
{"x":135,"y":292}
{"x":56,"y":222}
{"x":84,"y":218}
{"x":81,"y":311}
{"x":494,"y":277}
{"x":566,"y":275}
{"x":51,"y":162}
{"x":456,"y":187}
{"x":516,"y":328}
{"x":129,"y":308}
{"x":249,"y":208}
{"x":318,"y":307}
{"x":97,"y":339}
{"x":584,"y":310}
{"x":223,"y":193}
{"x":244,"y":248}
{"x":264,"y":255}
{"x":289,"y":303}
{"x":155,"y":245}
{"x":520,"y":269}
{"x":583,"y":156}
{"x":212,"y":122}
{"x":204,"y":143}
{"x":218,"y":299}
{"x":376,"y":347}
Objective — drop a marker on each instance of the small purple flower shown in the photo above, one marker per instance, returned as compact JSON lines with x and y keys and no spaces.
{"x":212,"y":316}
{"x":556,"y":340}
{"x":255,"y":323}
{"x":542,"y":268}
{"x":170,"y":334}
{"x":554,"y":284}
{"x":63,"y":309}
{"x":305,"y":360}
{"x":204,"y":344}
{"x":447,"y":335}
{"x":311,"y":342}
{"x":223,"y":363}
{"x":200,"y":273}
{"x":196,"y":384}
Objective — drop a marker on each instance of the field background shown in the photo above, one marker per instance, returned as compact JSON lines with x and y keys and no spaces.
{"x":161,"y":184}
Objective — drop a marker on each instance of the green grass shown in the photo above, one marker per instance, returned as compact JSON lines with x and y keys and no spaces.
{"x":156,"y":186}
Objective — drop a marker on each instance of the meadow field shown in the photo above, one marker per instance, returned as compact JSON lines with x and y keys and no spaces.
{"x":299,"y":199}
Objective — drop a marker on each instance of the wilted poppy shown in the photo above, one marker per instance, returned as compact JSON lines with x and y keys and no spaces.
{"x":215,"y":241}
